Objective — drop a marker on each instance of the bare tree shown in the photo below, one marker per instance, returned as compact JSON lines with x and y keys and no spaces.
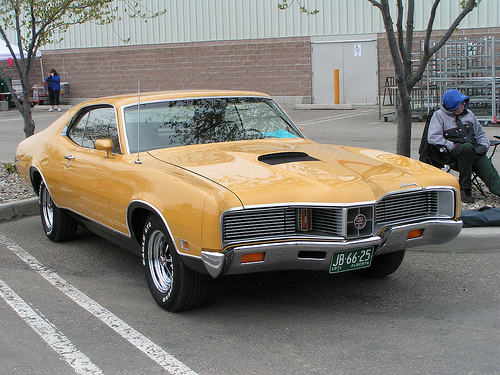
{"x":35,"y":23}
{"x":401,"y":47}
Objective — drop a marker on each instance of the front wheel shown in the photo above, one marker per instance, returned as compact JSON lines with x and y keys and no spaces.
{"x":383,"y":265}
{"x":173,"y":286}
{"x":57,"y":225}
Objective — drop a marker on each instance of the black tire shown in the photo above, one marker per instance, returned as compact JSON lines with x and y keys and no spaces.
{"x":383,"y":265}
{"x":57,"y":225}
{"x":173,"y":286}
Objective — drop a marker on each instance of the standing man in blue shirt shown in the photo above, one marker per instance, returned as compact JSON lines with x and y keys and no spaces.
{"x":54,"y":89}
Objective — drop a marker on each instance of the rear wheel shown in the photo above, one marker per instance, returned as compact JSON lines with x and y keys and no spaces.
{"x":57,"y":225}
{"x":173,"y":286}
{"x":383,"y":265}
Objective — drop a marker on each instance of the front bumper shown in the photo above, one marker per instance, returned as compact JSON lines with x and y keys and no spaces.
{"x":316,"y":255}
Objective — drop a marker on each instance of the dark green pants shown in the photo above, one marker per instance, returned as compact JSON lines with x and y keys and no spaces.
{"x":468,"y":162}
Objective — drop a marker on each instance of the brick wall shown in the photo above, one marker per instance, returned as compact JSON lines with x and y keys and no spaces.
{"x":280,"y":67}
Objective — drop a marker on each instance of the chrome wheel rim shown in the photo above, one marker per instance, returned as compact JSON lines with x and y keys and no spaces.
{"x":160,"y":262}
{"x":47,"y":209}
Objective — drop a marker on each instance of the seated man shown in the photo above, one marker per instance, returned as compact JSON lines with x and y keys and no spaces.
{"x":457,"y":131}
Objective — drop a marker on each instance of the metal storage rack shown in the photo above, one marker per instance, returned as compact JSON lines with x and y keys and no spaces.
{"x":471,"y":66}
{"x":423,"y":96}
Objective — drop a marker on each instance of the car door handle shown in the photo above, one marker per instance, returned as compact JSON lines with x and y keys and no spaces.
{"x":69,"y":157}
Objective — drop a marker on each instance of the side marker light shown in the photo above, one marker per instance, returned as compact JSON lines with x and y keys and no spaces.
{"x":184,"y":244}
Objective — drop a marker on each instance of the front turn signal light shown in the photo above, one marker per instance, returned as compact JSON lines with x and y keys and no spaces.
{"x":415,"y":234}
{"x":253,"y":257}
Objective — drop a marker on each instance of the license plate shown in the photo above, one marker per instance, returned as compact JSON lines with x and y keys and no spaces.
{"x":351,"y":260}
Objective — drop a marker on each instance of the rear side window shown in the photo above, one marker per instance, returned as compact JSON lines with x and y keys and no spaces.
{"x":95,"y":123}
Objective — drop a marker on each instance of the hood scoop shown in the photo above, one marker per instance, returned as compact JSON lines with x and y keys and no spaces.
{"x":285,"y":157}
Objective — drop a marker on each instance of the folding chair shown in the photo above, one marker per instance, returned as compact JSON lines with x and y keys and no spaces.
{"x":493,"y":145}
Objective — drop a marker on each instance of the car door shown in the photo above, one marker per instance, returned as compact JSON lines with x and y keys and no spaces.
{"x":87,"y":173}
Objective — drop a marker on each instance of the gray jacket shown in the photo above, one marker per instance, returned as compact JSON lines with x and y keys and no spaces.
{"x":443,"y":130}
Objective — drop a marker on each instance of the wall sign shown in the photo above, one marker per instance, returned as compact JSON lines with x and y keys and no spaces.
{"x":357,"y":50}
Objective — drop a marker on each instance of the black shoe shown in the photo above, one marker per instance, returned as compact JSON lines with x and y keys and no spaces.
{"x":466,"y":196}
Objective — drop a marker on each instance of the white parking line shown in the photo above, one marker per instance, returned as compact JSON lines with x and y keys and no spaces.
{"x":152,"y":350}
{"x":49,"y":333}
{"x":336,"y":117}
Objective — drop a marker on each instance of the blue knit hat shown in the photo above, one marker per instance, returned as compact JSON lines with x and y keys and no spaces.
{"x":453,"y":98}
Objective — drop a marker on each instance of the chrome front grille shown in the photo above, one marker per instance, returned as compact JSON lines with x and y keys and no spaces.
{"x":255,"y":223}
{"x":262,"y":223}
{"x":348,"y":222}
{"x":327,"y":220}
{"x":406,"y":206}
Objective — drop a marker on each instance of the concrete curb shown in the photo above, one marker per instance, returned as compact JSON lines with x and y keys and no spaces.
{"x":25,"y":207}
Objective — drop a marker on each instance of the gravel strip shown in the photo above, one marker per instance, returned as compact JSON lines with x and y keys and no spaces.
{"x":480,"y":200}
{"x":12,"y":188}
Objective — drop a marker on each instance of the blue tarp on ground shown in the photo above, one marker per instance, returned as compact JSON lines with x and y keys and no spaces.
{"x":481,"y":217}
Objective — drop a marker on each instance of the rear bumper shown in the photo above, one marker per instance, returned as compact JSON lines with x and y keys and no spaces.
{"x":316,"y":255}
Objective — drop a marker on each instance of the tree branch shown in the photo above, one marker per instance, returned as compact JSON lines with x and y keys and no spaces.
{"x":430,"y":25}
{"x":400,"y":31}
{"x":430,"y":51}
{"x":409,"y":35}
{"x":471,"y":4}
{"x":375,"y":4}
{"x":391,"y":37}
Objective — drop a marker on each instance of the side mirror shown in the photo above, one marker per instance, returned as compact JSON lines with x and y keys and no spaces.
{"x":104,"y":145}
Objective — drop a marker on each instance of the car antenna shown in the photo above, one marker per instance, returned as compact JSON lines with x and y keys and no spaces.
{"x":138,"y":161}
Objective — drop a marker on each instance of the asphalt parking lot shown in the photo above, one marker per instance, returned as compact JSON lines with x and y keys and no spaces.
{"x":89,"y":303}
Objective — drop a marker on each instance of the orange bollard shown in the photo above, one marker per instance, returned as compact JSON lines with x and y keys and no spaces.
{"x":336,"y":84}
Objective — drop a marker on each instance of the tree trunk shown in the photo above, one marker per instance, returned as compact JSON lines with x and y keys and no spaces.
{"x":403,"y":140}
{"x":29,"y":124}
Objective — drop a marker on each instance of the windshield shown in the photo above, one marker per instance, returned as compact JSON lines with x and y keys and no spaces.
{"x":207,"y":120}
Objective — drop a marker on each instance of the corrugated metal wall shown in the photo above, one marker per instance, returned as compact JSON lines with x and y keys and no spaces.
{"x":209,"y":20}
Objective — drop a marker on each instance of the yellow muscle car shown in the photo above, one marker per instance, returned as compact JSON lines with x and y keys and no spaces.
{"x":212,"y":183}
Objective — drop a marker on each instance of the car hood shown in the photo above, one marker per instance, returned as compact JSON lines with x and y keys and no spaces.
{"x":300,"y":170}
